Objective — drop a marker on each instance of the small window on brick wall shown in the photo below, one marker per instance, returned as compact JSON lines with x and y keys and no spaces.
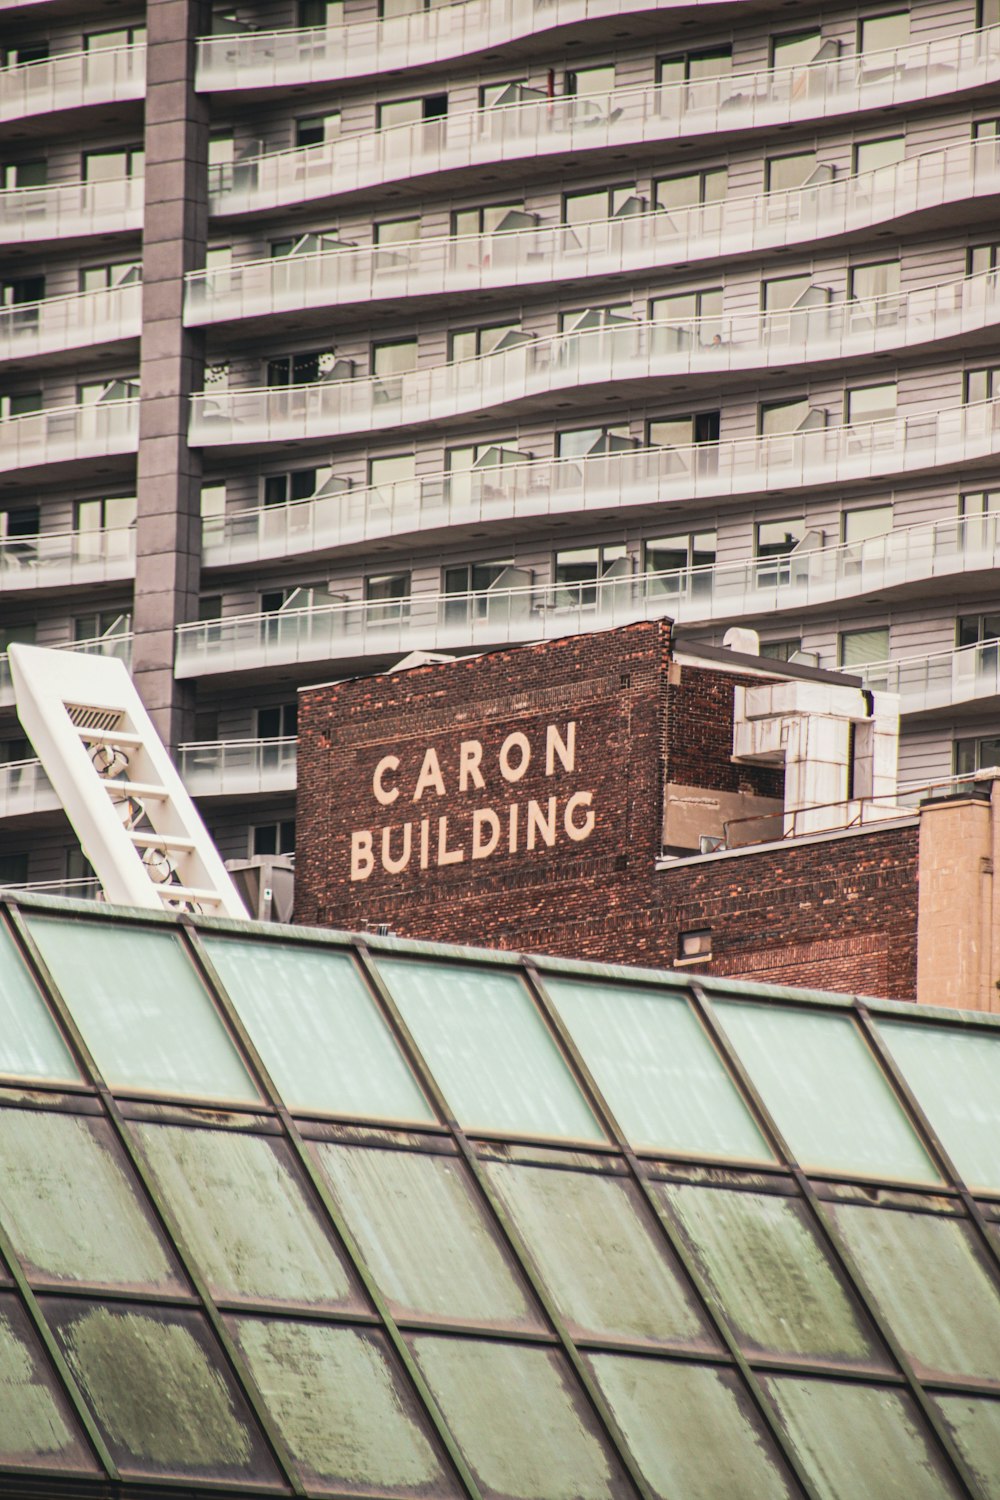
{"x":694,"y":945}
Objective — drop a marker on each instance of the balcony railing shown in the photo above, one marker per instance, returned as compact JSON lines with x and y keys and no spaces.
{"x":474,"y":138}
{"x":24,"y":789}
{"x":103,"y":645}
{"x":78,"y":890}
{"x":941,"y":679}
{"x":445,"y":264}
{"x":361,"y":48}
{"x":59,"y":433}
{"x":630,"y":481}
{"x":60,"y":559}
{"x":67,"y":209}
{"x":109,"y":315}
{"x":238,"y":767}
{"x":70,"y":80}
{"x":632,"y":351}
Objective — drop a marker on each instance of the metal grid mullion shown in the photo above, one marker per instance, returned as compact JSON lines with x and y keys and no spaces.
{"x":331,"y":1211}
{"x":666,"y":1221}
{"x":507,"y":1231}
{"x":838,"y":1249}
{"x":136,"y":1158}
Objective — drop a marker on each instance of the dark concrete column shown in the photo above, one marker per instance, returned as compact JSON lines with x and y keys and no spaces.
{"x":168,"y":532}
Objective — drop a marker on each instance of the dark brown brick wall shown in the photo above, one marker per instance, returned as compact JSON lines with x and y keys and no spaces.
{"x":700,"y":737}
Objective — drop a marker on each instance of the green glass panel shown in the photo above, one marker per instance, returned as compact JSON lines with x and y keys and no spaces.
{"x":424,"y":1237}
{"x":769,"y":1271}
{"x":489,"y":1048}
{"x":657,"y":1069}
{"x":30,"y":1044}
{"x":142,"y":1009}
{"x":342,"y":1409}
{"x":691,"y":1431}
{"x":522,"y":1427}
{"x":242,"y":1212}
{"x":955,"y":1076}
{"x":70,"y":1206}
{"x":856,"y":1440}
{"x":588,"y":1236}
{"x":36,"y":1428}
{"x":318,"y":1030}
{"x":937,"y":1295}
{"x":975,"y":1426}
{"x":827,"y":1094}
{"x":159,"y":1392}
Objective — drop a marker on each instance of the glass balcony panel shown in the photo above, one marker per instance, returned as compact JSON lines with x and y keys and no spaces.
{"x":70,"y":80}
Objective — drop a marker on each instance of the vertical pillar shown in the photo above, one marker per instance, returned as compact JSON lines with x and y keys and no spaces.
{"x":168,"y":527}
{"x":956,"y":917}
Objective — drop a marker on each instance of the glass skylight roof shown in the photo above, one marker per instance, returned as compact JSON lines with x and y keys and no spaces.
{"x":288,"y":1212}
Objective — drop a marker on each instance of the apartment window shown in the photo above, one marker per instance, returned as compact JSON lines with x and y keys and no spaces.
{"x":24,"y":174}
{"x":22,"y":522}
{"x":388,"y":594}
{"x":112,"y":165}
{"x":862,"y":525}
{"x":94,"y":518}
{"x":881,"y":279}
{"x":315,"y":130}
{"x":113,"y":273}
{"x":411,"y":111}
{"x":20,"y":404}
{"x":588,"y":82}
{"x":271,"y":601}
{"x":782,"y":173}
{"x":986,"y":130}
{"x":795,"y":50}
{"x":856,"y":648}
{"x":694,"y":946}
{"x":473,"y":342}
{"x":122,"y":36}
{"x":595,"y":204}
{"x":398,"y":357}
{"x":16,"y":57}
{"x":979,"y":503}
{"x":880,"y":33}
{"x":590,"y":440}
{"x":587,"y":318}
{"x":313,"y":242}
{"x":483,"y":220}
{"x":982,"y":385}
{"x":278,"y":723}
{"x":319,"y":13}
{"x":784,"y":292}
{"x":711,"y":62}
{"x":871,"y":156}
{"x":578,"y":570}
{"x":273,"y":838}
{"x":470,"y":578}
{"x":778,"y":538}
{"x":781,"y":650}
{"x":94,"y":392}
{"x":22,"y":290}
{"x":212,"y":509}
{"x":12,"y":750}
{"x":396,"y":232}
{"x":671,"y":554}
{"x":976,"y":755}
{"x":870,"y":403}
{"x":982,"y":258}
{"x":977,"y":630}
{"x":395,"y":468}
{"x":299,"y":369}
{"x":13,"y":869}
{"x":692,"y":189}
{"x":681,"y":432}
{"x":510,"y":91}
{"x":684,"y":307}
{"x":988,"y":13}
{"x":780,"y":417}
{"x":11,"y":635}
{"x":299,"y":484}
{"x":101,"y":622}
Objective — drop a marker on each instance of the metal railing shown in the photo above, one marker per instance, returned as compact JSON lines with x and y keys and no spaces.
{"x":67,"y":432}
{"x":938,"y":679}
{"x":70,"y":80}
{"x":79,"y":890}
{"x":235,"y":767}
{"x":30,"y":328}
{"x":50,"y":559}
{"x":630,"y":481}
{"x":35,"y":214}
{"x":103,"y":645}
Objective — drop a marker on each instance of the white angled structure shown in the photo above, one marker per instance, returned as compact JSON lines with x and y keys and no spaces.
{"x":135,"y":821}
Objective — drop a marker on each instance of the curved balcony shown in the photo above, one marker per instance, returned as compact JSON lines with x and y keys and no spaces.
{"x":70,"y":209}
{"x":361,"y":49}
{"x":73,"y":80}
{"x":940,"y":680}
{"x":110,"y":315}
{"x":621,"y":120}
{"x":103,"y":645}
{"x":94,"y":430}
{"x":738,"y":226}
{"x":66,"y":559}
{"x":238,"y":768}
{"x":531,"y":370}
{"x":640,"y":479}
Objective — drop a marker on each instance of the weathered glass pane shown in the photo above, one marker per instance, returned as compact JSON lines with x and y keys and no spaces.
{"x":159,"y":1392}
{"x":860,"y":1440}
{"x":828,"y":1096}
{"x":604,"y":1269}
{"x":341,"y":1407}
{"x":492,"y":1053}
{"x":657,"y":1069}
{"x":954,"y":1077}
{"x":318,"y":1030}
{"x":522,"y":1426}
{"x":142,"y":1009}
{"x":426,"y":1240}
{"x":71,"y":1207}
{"x":243,"y":1214}
{"x":765,"y":1264}
{"x":975,"y":1426}
{"x":939,"y":1299}
{"x":30,"y":1044}
{"x":36,"y":1428}
{"x":691,"y":1430}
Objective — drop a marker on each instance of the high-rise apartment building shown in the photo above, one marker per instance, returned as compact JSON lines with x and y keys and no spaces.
{"x":333,"y":332}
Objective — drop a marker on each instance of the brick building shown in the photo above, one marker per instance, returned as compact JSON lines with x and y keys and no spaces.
{"x":569,"y":797}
